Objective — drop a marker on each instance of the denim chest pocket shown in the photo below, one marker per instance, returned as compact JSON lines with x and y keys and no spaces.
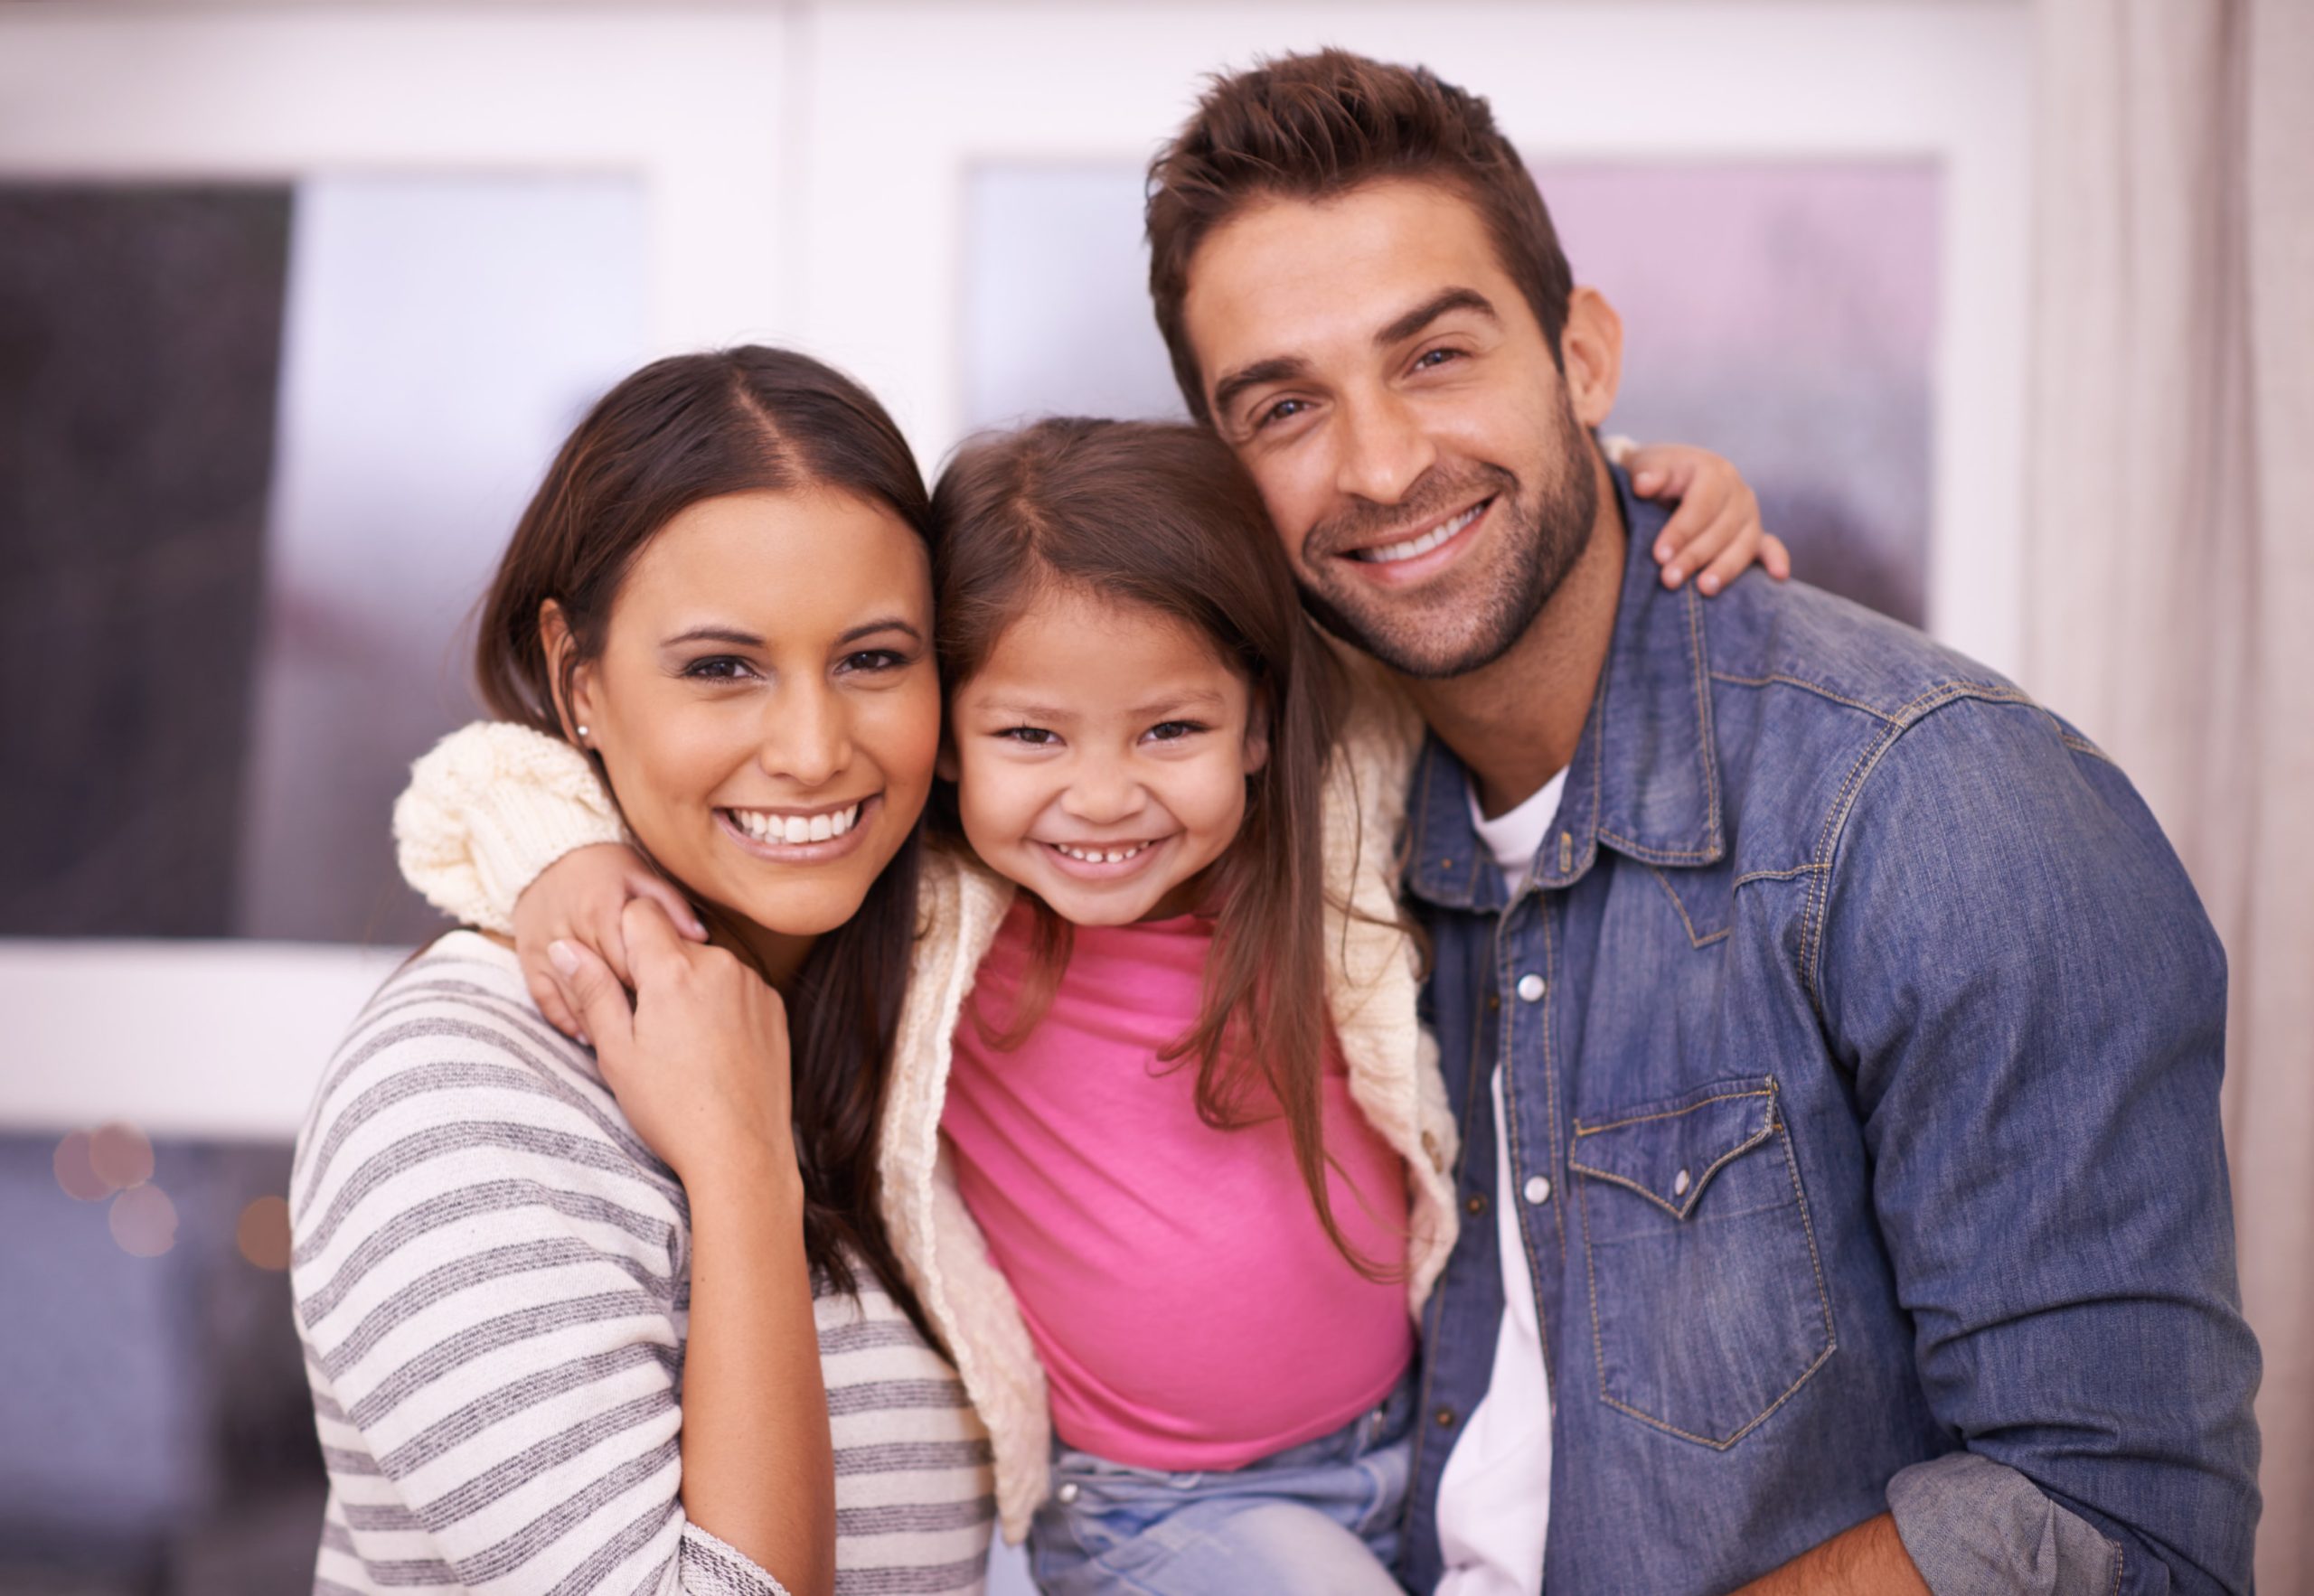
{"x":1707,"y":1301}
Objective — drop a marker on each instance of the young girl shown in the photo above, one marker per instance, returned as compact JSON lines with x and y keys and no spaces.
{"x":1164,"y":1152}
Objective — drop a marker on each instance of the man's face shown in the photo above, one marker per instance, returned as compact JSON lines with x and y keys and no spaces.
{"x":1382,"y":377}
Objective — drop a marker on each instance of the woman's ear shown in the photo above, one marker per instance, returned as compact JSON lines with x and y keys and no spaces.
{"x":572,"y":685}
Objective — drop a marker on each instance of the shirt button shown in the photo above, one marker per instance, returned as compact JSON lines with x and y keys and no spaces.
{"x":1538,"y":1189}
{"x":1067,"y":1493}
{"x":1531,"y":988}
{"x":1475,"y":1203}
{"x":1445,"y":1418}
{"x":1679,"y":1184}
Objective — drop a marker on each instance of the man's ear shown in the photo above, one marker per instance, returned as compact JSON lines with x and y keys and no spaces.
{"x":562,"y":679}
{"x":1591,"y":350}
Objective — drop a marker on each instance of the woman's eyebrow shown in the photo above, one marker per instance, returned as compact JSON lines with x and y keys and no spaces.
{"x":739,"y":639}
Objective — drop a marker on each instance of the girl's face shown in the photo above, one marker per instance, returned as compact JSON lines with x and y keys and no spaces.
{"x":767,"y":705}
{"x":1101,"y":757}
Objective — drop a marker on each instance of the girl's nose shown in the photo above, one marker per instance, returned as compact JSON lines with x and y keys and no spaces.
{"x":1102,"y":794}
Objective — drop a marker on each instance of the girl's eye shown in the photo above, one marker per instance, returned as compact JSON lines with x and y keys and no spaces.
{"x":717,"y":667}
{"x":873,"y":659}
{"x":1034,"y":737}
{"x":1173,"y":731}
{"x":1285,"y":409}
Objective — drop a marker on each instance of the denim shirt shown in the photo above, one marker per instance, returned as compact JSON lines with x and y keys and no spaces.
{"x":1860,"y":1037}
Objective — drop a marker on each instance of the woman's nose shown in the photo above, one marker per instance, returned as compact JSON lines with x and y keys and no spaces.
{"x":806,"y":737}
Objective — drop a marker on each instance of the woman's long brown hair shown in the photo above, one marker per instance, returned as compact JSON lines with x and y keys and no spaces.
{"x":679,"y":431}
{"x":1160,"y":517}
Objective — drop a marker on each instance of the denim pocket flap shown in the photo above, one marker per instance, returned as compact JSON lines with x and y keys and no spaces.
{"x":1668,"y":1151}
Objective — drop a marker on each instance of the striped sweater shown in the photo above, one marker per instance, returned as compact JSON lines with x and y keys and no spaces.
{"x":492,"y":1280}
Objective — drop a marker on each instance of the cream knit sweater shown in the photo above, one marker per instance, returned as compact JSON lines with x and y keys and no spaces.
{"x":493,"y":806}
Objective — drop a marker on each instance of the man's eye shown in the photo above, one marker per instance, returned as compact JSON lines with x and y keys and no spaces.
{"x":1034,"y":737}
{"x":717,"y":667}
{"x":1430,"y":358}
{"x":1173,"y":731}
{"x":1283,"y":410}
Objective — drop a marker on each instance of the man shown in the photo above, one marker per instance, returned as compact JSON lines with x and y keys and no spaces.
{"x":1837,"y":1039}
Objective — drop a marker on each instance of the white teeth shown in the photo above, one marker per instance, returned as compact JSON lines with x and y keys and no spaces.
{"x":1100,"y":855}
{"x":1391,"y":552}
{"x":791,"y":829}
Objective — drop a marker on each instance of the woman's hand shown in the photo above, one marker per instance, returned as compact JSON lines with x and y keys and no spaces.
{"x":699,"y":1062}
{"x":579,"y":898}
{"x":1716,"y":531}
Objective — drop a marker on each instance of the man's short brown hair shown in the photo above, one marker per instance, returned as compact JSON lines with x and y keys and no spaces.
{"x":1313,"y":126}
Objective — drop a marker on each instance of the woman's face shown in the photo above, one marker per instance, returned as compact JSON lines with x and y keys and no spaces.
{"x":767,"y":704}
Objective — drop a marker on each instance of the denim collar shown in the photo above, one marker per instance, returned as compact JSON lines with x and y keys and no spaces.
{"x":1644,"y":779}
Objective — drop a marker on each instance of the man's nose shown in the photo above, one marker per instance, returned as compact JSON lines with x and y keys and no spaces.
{"x":1383,"y":448}
{"x":806,"y":736}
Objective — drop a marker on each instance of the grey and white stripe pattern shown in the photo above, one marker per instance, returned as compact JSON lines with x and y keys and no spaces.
{"x":492,"y":1277}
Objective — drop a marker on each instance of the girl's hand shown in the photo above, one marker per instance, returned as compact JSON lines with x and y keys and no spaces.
{"x":579,"y":898}
{"x":699,"y":1062}
{"x":1717,"y":530}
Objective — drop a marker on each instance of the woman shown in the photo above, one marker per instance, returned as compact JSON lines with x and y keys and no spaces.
{"x":626,"y":1320}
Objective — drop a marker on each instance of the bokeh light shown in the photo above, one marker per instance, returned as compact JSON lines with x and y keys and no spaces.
{"x":144,"y":1221}
{"x":76,"y":1174}
{"x":121,"y":1155}
{"x":263,"y":1233}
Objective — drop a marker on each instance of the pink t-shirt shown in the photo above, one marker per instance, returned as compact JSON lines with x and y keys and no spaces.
{"x":1190,"y":1309}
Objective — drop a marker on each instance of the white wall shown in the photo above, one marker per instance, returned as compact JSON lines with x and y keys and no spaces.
{"x":804,"y":172}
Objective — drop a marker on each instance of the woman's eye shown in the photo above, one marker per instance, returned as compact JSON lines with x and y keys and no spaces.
{"x":873,"y":659}
{"x":719,"y":668}
{"x":1033,"y":737}
{"x":1173,"y":731}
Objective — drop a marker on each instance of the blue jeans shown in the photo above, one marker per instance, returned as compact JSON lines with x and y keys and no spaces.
{"x":1321,"y":1517}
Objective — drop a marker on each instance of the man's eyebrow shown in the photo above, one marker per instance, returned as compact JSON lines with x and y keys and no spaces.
{"x":1278,"y":368}
{"x":1430,"y":310}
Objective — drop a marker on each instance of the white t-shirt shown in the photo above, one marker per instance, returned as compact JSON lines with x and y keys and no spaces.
{"x":1494,"y":1501}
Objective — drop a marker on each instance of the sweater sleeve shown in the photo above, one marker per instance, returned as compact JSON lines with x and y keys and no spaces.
{"x":487,"y":809}
{"x":489,"y":1282}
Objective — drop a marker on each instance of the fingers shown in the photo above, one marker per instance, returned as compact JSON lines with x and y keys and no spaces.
{"x":546,"y":992}
{"x":603,"y":1013}
{"x":604,"y":931}
{"x":1687,"y":540}
{"x":1774,"y":558}
{"x":663,"y":892}
{"x":1731,"y":562}
{"x":652,"y":944}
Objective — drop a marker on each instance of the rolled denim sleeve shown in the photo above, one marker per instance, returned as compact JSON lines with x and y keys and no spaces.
{"x":2011,"y":958}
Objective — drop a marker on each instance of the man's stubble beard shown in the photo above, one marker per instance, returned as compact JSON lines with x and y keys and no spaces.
{"x":1546,"y":531}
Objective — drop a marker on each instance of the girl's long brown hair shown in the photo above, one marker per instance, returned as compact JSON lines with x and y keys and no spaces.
{"x":679,"y":431}
{"x":1160,"y":516}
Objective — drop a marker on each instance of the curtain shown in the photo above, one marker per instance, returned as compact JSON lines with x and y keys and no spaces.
{"x":2170,"y":556}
